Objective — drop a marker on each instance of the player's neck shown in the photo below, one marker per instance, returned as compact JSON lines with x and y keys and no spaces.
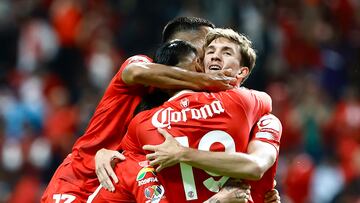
{"x":176,"y":94}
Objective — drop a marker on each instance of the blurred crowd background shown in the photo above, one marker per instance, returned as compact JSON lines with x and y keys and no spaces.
{"x":57,"y":57}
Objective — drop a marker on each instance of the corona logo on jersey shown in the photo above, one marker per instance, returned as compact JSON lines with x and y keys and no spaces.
{"x":142,"y":173}
{"x":164,"y":117}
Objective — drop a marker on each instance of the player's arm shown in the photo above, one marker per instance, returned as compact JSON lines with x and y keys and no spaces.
{"x":261,"y":154}
{"x":272,"y":196}
{"x":170,"y":77}
{"x":234,"y":191}
{"x":241,"y":194}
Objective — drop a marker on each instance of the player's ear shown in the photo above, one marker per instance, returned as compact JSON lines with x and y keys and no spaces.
{"x":243,"y":72}
{"x":199,"y":67}
{"x":242,"y":75}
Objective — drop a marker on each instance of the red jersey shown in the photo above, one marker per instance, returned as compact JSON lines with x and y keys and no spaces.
{"x":138,"y":182}
{"x":110,"y":120}
{"x":206,"y":121}
{"x":75,"y":178}
{"x":269,"y":130}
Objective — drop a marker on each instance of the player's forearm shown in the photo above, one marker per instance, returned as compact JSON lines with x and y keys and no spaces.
{"x":235,"y":165}
{"x":163,"y":76}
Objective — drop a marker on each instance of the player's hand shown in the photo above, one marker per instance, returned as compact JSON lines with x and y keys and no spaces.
{"x":165,"y":154}
{"x":232,"y":194}
{"x":104,"y":162}
{"x":272,"y":196}
{"x":221,"y":80}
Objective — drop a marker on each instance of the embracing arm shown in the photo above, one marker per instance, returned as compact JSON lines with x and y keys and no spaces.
{"x":171,"y":77}
{"x":259,"y":158}
{"x":252,"y":166}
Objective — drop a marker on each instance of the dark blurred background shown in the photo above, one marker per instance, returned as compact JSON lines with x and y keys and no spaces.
{"x":57,"y":57}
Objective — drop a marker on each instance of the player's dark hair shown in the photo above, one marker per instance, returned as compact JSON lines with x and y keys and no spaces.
{"x":171,"y":54}
{"x":184,"y":24}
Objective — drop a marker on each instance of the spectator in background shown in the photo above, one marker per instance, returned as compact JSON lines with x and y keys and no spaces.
{"x":344,"y":133}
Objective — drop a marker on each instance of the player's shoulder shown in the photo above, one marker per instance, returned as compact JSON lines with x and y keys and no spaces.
{"x":259,"y":93}
{"x":144,"y":118}
{"x":252,"y":97}
{"x":140,"y":58}
{"x":263,"y":96}
{"x":247,"y":91}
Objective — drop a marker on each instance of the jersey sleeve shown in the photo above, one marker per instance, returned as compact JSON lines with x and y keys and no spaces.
{"x":135,"y":59}
{"x":119,"y":83}
{"x":268,"y":129}
{"x":256,"y":103}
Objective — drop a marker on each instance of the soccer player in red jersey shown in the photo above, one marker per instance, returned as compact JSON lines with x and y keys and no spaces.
{"x":137,"y":179}
{"x":216,"y":129}
{"x":261,"y":159}
{"x":75,"y":178}
{"x":266,"y":133}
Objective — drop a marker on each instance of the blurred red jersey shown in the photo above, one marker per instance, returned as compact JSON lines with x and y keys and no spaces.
{"x":110,"y":120}
{"x":138,"y":182}
{"x":76,"y":175}
{"x":268,"y":129}
{"x":205,"y":121}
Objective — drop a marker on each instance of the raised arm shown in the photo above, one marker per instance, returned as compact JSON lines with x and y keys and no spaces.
{"x":170,"y":77}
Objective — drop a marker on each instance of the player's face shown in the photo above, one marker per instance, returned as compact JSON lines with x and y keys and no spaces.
{"x":222,"y":54}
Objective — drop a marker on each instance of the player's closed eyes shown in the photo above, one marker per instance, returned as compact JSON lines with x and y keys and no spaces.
{"x":209,"y":52}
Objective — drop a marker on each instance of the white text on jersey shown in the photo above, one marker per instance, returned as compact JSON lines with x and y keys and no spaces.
{"x":164,"y":117}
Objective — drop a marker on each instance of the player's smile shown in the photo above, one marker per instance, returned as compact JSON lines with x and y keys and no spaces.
{"x":214,"y":67}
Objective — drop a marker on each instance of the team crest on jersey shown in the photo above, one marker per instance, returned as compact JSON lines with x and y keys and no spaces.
{"x":154,"y":193}
{"x":142,"y":173}
{"x":184,"y":103}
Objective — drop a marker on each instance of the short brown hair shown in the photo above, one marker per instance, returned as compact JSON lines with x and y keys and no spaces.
{"x":247,"y":52}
